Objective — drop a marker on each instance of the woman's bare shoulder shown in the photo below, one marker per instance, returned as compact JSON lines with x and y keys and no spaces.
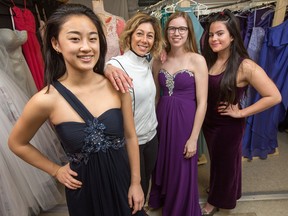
{"x":45,"y":98}
{"x":196,"y":57}
{"x":248,"y":67}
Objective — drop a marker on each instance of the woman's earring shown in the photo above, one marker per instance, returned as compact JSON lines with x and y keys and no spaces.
{"x":57,"y":51}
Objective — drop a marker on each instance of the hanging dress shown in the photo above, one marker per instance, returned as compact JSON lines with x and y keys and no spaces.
{"x":113,"y":47}
{"x":175,"y":179}
{"x":37,"y":189}
{"x":25,"y":20}
{"x":260,"y":138}
{"x":256,"y":40}
{"x":96,"y":151}
{"x":12,"y":201}
{"x":259,"y":18}
{"x":20,"y":73}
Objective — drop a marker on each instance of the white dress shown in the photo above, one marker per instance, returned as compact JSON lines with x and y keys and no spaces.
{"x":23,"y":188}
{"x":10,"y":196}
{"x":21,"y":74}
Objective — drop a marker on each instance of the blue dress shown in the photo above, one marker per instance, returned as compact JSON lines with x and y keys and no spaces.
{"x":260,"y":138}
{"x":96,"y":151}
{"x":175,"y":179}
{"x":258,"y":18}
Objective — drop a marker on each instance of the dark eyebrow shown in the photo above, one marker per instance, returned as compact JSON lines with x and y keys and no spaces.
{"x":78,"y":33}
{"x":217,"y":31}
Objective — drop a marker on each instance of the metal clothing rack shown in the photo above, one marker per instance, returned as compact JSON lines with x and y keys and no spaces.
{"x":280,"y":9}
{"x":229,"y":4}
{"x":239,"y":6}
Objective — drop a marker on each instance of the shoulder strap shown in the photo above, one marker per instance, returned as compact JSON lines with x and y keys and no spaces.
{"x":130,"y":89}
{"x":73,"y":101}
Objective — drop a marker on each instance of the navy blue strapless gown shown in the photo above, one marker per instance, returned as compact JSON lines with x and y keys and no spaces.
{"x":96,"y":151}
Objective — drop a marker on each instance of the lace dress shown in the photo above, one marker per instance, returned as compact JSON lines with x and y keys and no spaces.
{"x":113,"y":48}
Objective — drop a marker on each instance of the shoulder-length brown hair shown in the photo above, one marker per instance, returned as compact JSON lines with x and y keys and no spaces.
{"x":133,"y":23}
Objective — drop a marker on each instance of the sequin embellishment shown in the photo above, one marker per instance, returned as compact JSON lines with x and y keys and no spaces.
{"x":170,"y":78}
{"x":95,"y":141}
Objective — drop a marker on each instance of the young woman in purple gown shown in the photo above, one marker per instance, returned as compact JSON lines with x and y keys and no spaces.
{"x":182,"y":81}
{"x":230,"y":72}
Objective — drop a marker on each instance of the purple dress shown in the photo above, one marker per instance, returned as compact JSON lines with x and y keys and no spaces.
{"x":174,"y":181}
{"x":223,"y":135}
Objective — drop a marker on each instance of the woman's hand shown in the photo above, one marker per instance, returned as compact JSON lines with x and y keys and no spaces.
{"x":65,"y":175}
{"x":190,"y":149}
{"x":119,"y":79}
{"x":136,"y":198}
{"x":230,"y":110}
{"x":163,"y":56}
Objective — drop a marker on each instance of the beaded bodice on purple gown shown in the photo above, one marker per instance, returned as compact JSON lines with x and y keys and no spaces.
{"x":174,"y":185}
{"x":169,"y":83}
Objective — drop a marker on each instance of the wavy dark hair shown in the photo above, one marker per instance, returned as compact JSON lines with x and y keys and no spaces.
{"x":54,"y":63}
{"x":238,"y":52}
{"x":191,"y":44}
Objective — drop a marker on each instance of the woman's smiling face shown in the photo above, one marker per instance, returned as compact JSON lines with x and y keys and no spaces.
{"x":142,"y":39}
{"x":78,"y":42}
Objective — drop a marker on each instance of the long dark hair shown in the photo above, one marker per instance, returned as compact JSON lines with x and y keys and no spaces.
{"x":228,"y":85}
{"x":54,"y":63}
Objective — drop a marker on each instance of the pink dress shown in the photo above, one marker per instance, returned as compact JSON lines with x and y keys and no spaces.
{"x":25,"y":20}
{"x":114,"y":27}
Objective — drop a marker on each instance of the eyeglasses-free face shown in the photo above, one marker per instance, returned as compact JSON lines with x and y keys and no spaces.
{"x":181,"y":29}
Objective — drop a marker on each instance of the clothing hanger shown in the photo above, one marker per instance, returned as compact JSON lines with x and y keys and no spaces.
{"x":170,"y":8}
{"x":185,"y":3}
{"x":157,"y":14}
{"x":44,"y":15}
{"x":194,"y":6}
{"x":229,"y":4}
{"x":12,"y":19}
{"x":154,"y":7}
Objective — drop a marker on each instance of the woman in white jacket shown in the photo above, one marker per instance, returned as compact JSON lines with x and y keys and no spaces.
{"x":141,"y":40}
